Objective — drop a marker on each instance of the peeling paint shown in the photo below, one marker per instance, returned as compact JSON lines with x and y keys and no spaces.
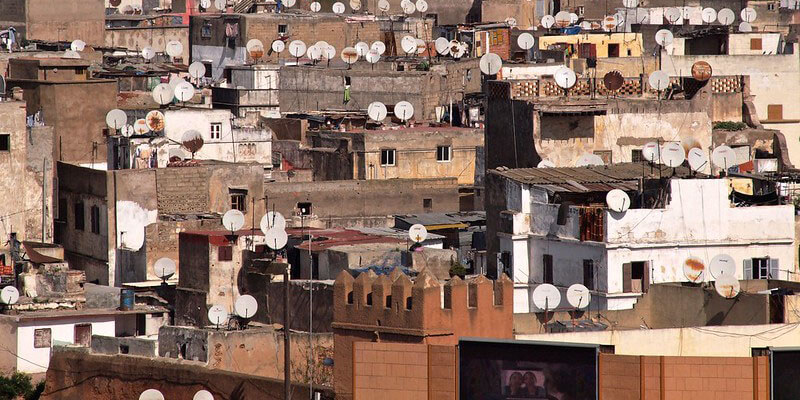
{"x":131,"y":222}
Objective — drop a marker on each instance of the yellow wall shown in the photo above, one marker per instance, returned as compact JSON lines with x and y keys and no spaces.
{"x":626,"y":41}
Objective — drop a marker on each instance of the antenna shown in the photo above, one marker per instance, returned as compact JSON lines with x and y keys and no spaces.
{"x":723,"y":157}
{"x":9,"y":295}
{"x":545,"y":164}
{"x":71,"y":54}
{"x":163,"y":93}
{"x":726,"y":16}
{"x":184,"y":91}
{"x":155,"y":121}
{"x":586,"y":25}
{"x":151,"y":394}
{"x":573,"y":18}
{"x":349,"y":55}
{"x":442,"y":46}
{"x":673,"y":15}
{"x":565,"y":78}
{"x":562,"y":19}
{"x":694,"y":269}
{"x":672,"y":154}
{"x":408,"y":7}
{"x":290,"y":3}
{"x":525,"y":41}
{"x":338,"y":8}
{"x":701,"y":71}
{"x":329,"y":53}
{"x":579,"y":296}
{"x":548,"y":21}
{"x":417,"y":233}
{"x":709,"y":15}
{"x":421,"y":46}
{"x":140,"y":127}
{"x":658,"y":80}
{"x":272,"y":220}
{"x":546,"y":297}
{"x":403,"y":110}
{"x":218,"y":315}
{"x":164,"y":268}
{"x":372,"y":57}
{"x":255,"y":48}
{"x":610,"y":23}
{"x":588,"y":159}
{"x":203,"y":395}
{"x":246,"y":307}
{"x":618,"y":201}
{"x":221,"y":5}
{"x":314,"y":52}
{"x":355,"y":5}
{"x":697,"y":159}
{"x":630,"y":3}
{"x":748,"y":14}
{"x":376,"y":111}
{"x":278,"y":46}
{"x":664,"y":37}
{"x":77,"y":45}
{"x":651,"y":152}
{"x":174,"y":48}
{"x":722,"y":265}
{"x":491,"y":63}
{"x":745,"y":27}
{"x":233,"y":220}
{"x":205,"y":4}
{"x":116,"y":119}
{"x":197,"y":70}
{"x":127,"y":131}
{"x":409,"y":44}
{"x":192,"y":140}
{"x":727,"y":286}
{"x":315,"y":6}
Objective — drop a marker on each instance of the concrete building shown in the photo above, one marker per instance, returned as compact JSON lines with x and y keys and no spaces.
{"x":55,"y":20}
{"x":595,"y":45}
{"x":135,"y":32}
{"x":248,"y":88}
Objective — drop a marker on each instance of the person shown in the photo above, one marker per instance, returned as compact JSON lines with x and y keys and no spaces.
{"x":515,"y":385}
{"x":531,"y":386}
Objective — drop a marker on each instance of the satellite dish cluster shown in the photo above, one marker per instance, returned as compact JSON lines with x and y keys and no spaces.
{"x":722,"y":270}
{"x":547,"y":297}
{"x":155,"y":394}
{"x":672,"y":154}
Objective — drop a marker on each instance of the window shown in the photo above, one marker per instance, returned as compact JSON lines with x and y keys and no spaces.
{"x":79,"y":217}
{"x":305,"y":208}
{"x":283,"y":30}
{"x":635,"y":277}
{"x":42,"y":338}
{"x":761,"y":268}
{"x":216,"y":130}
{"x":547,"y":268}
{"x":636,"y":155}
{"x":387,"y":157}
{"x":83,"y":335}
{"x":277,"y":160}
{"x":755,"y":44}
{"x":613,"y":50}
{"x":225,"y":253}
{"x":5,"y":142}
{"x":775,"y":112}
{"x":580,"y":11}
{"x":605,"y":155}
{"x":444,"y":153}
{"x":427,"y":204}
{"x":205,"y":31}
{"x":62,"y":209}
{"x":209,"y":69}
{"x":95,"y":219}
{"x":771,"y":6}
{"x":588,"y":274}
{"x":238,"y":199}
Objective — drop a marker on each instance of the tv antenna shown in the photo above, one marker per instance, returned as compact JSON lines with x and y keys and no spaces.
{"x":273,"y":226}
{"x":278,"y":46}
{"x":221,"y":5}
{"x":355,"y":5}
{"x":409,"y":44}
{"x":525,"y":41}
{"x":361,"y":49}
{"x":573,"y":18}
{"x":272,"y":220}
{"x":618,"y":201}
{"x":694,"y":269}
{"x":546,"y":297}
{"x":673,"y":15}
{"x":723,"y":157}
{"x":329,"y":53}
{"x":421,"y":46}
{"x":218,"y":315}
{"x":174,"y":48}
{"x":664,"y":37}
{"x":722,"y":265}
{"x":315,"y":6}
{"x":422,"y":6}
{"x":408,"y":7}
{"x":610,"y":23}
{"x":384,"y":6}
{"x":290,"y":3}
{"x":613,"y":81}
{"x":748,"y":15}
{"x":378,"y":46}
{"x":745,"y":27}
{"x":403,"y":110}
{"x":297,"y":48}
{"x":562,"y":19}
{"x":151,"y":394}
{"x":545,"y":164}
{"x":376,"y":111}
{"x":314,"y":52}
{"x":586,"y":25}
{"x":197,"y":69}
{"x":205,"y":4}
{"x":127,"y":131}
{"x":148,"y":53}
{"x":349,"y":55}
{"x":442,"y":46}
{"x":588,"y":160}
{"x":658,"y":80}
{"x":116,"y":119}
{"x":579,"y":296}
{"x":77,"y":45}
{"x":233,"y":220}
{"x":697,"y":159}
{"x":565,"y":78}
{"x":651,"y":152}
{"x":140,"y":127}
{"x":727,"y":286}
{"x":155,"y":121}
{"x":184,"y":91}
{"x":192,"y":140}
{"x":164,"y":268}
{"x":630,"y":3}
{"x":701,"y":71}
{"x":203,"y":395}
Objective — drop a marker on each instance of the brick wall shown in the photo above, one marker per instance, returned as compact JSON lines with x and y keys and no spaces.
{"x":442,"y":372}
{"x":182,"y":190}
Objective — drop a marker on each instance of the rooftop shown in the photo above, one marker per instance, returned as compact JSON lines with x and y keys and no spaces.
{"x":324,"y":239}
{"x":444,"y":220}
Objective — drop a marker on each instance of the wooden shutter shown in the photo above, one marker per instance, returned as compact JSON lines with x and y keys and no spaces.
{"x":646,"y":277}
{"x":755,"y":44}
{"x":626,"y":278}
{"x":775,"y":112}
{"x":747,"y":268}
{"x":773,"y":268}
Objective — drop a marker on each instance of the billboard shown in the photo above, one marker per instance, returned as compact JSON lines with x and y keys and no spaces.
{"x":520,"y":370}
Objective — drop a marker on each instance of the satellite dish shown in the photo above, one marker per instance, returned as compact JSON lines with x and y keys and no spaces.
{"x":694,"y":269}
{"x":151,"y":394}
{"x":255,"y":48}
{"x":322,"y":44}
{"x":548,"y":21}
{"x":373,"y":56}
{"x":673,"y":15}
{"x":748,"y":14}
{"x":672,"y":154}
{"x":315,"y":6}
{"x":726,"y":16}
{"x":163,"y":93}
{"x":148,"y":53}
{"x":184,"y":91}
{"x":329,"y":53}
{"x":206,"y":4}
{"x":379,"y":47}
{"x":155,"y":121}
{"x":409,"y":8}
{"x":290,"y":3}
{"x":314,"y":52}
{"x":203,"y":395}
{"x":116,"y":119}
{"x":271,"y":221}
{"x":565,"y":77}
{"x":573,"y":18}
{"x":664,"y":37}
{"x":77,"y":45}
{"x":349,"y":55}
{"x":697,"y":159}
{"x":545,"y":164}
{"x":297,"y":48}
{"x":422,"y":6}
{"x":630,"y":3}
{"x":724,"y":157}
{"x":722,"y":265}
{"x":246,"y":306}
{"x":421,"y":46}
{"x":546,"y":297}
{"x":408,"y":44}
{"x":701,"y":71}
{"x":362,"y":48}
{"x":658,"y":80}
{"x":278,"y":46}
{"x":651,"y":152}
{"x":9,"y":295}
{"x":586,"y":25}
{"x":745,"y":27}
{"x":355,"y":5}
{"x":221,"y":5}
{"x":588,"y":159}
{"x":233,"y":220}
{"x":71,"y":54}
{"x":579,"y":296}
{"x":376,"y":111}
{"x":727,"y":286}
{"x":383,"y":5}
{"x":276,"y":238}
{"x":613,"y":80}
{"x":562,"y":19}
{"x":174,"y":48}
{"x":197,"y":70}
{"x":164,"y":268}
{"x":525,"y":41}
{"x":490,"y":63}
{"x":709,"y":15}
{"x":338,"y":7}
{"x":127,"y":131}
{"x":442,"y":46}
{"x":403,"y":110}
{"x":192,"y":140}
{"x":140,"y":127}
{"x":610,"y":22}
{"x":418,"y":233}
{"x":511,"y":22}
{"x":618,"y":201}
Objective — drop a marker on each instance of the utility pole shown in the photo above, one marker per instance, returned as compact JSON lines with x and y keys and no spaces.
{"x":287,"y":359}
{"x":44,"y":191}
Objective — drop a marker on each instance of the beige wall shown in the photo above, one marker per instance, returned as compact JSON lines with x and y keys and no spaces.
{"x":67,"y":20}
{"x":156,"y":37}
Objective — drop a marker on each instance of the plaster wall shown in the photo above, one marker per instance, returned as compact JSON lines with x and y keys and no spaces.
{"x":66,"y":20}
{"x":36,"y":360}
{"x":156,"y":37}
{"x":739,"y":43}
{"x":628,"y":43}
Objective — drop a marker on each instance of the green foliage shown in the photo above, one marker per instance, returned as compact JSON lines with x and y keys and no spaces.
{"x":457,"y":269}
{"x":729,"y":126}
{"x":20,"y":384}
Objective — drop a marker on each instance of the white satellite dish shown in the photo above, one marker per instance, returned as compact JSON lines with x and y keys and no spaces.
{"x":618,"y":201}
{"x":71,"y":54}
{"x":748,"y":14}
{"x":148,"y":53}
{"x":384,"y":6}
{"x":377,"y":111}
{"x":658,"y":80}
{"x":314,"y":52}
{"x":722,"y":265}
{"x":221,"y":5}
{"x":355,"y":5}
{"x":163,"y":93}
{"x":361,"y":49}
{"x":322,"y":45}
{"x":442,"y":46}
{"x":77,"y":45}
{"x":664,"y":37}
{"x":548,"y":21}
{"x":379,"y":47}
{"x":408,"y":44}
{"x":525,"y":41}
{"x":727,"y":286}
{"x":490,"y":63}
{"x":174,"y":48}
{"x":417,"y":233}
{"x":9,"y":295}
{"x":573,"y":18}
{"x":338,"y":8}
{"x":206,"y":4}
{"x":724,"y":157}
{"x":315,"y":6}
{"x":745,"y":27}
{"x":140,"y":127}
{"x":203,"y":395}
{"x":151,"y":394}
{"x":586,"y":25}
{"x":246,"y":306}
{"x":289,"y":3}
{"x":565,"y":77}
{"x":709,"y":15}
{"x":329,"y":53}
{"x":403,"y":110}
{"x":233,"y":220}
{"x":254,"y":44}
{"x":672,"y":154}
{"x":197,"y":70}
{"x":610,"y":22}
{"x":651,"y":152}
{"x":673,"y":15}
{"x":127,"y":131}
{"x":546,"y":297}
{"x":409,"y":8}
{"x":697,"y":159}
{"x":579,"y":296}
{"x":349,"y":55}
{"x":588,"y":159}
{"x":218,"y":315}
{"x":422,"y":6}
{"x":562,"y":19}
{"x":272,"y":220}
{"x":694,"y":269}
{"x":373,"y":56}
{"x":184,"y":91}
{"x":630,"y":3}
{"x":297,"y":48}
{"x":421,"y":46}
{"x":726,"y":16}
{"x":545,"y":164}
{"x":278,"y":46}
{"x":164,"y":268}
{"x":116,"y":118}
{"x":276,"y":238}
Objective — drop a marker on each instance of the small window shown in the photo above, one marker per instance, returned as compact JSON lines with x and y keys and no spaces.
{"x":283,"y":30}
{"x":79,"y":217}
{"x":5,"y":142}
{"x":547,"y":268}
{"x":588,"y":274}
{"x":771,"y":6}
{"x":427,"y":204}
{"x":205,"y":31}
{"x":444,"y":153}
{"x":605,"y":155}
{"x":775,"y":112}
{"x":580,"y":11}
{"x":216,"y":130}
{"x":277,"y":160}
{"x":209,"y":69}
{"x":305,"y":208}
{"x":42,"y":338}
{"x":95,"y":219}
{"x":636,"y":155}
{"x":83,"y":335}
{"x":238,"y":199}
{"x":755,"y":44}
{"x":388,"y":157}
{"x":225,"y":253}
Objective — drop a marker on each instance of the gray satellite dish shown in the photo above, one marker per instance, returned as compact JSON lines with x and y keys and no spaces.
{"x":664,"y":37}
{"x":726,"y":16}
{"x":218,"y":315}
{"x":545,"y":164}
{"x":673,"y":15}
{"x":579,"y":296}
{"x":203,"y":395}
{"x":546,"y":297}
{"x":278,"y":46}
{"x":727,"y":286}
{"x":192,"y":140}
{"x":709,"y":15}
{"x":373,"y":56}
{"x":588,"y":160}
{"x":233,"y":220}
{"x":384,"y":6}
{"x":525,"y":41}
{"x":314,"y":52}
{"x":272,"y":220}
{"x":297,"y":48}
{"x":163,"y":93}
{"x":722,"y":265}
{"x":338,"y":8}
{"x":417,"y":233}
{"x":329,"y":53}
{"x":148,"y":53}
{"x":565,"y":77}
{"x":548,"y":21}
{"x":442,"y":46}
{"x":651,"y":152}
{"x":315,"y":6}
{"x":184,"y":91}
{"x":174,"y":48}
{"x":377,"y":111}
{"x":724,"y":157}
{"x":618,"y":201}
{"x":151,"y":394}
{"x":672,"y":154}
{"x":246,"y":306}
{"x":9,"y":295}
{"x":116,"y":119}
{"x":697,"y":159}
{"x":164,"y":268}
{"x":409,"y":44}
{"x":658,"y":80}
{"x":197,"y":70}
{"x":379,"y":47}
{"x":409,"y":8}
{"x":490,"y":63}
{"x":403,"y":110}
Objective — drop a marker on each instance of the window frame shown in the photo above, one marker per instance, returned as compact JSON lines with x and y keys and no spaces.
{"x":94,"y":219}
{"x":218,"y":134}
{"x":547,"y":269}
{"x":440,"y":155}
{"x":385,"y":160}
{"x":49,"y":332}
{"x":238,"y":199}
{"x":225,"y":253}
{"x":5,"y":141}
{"x":79,"y":213}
